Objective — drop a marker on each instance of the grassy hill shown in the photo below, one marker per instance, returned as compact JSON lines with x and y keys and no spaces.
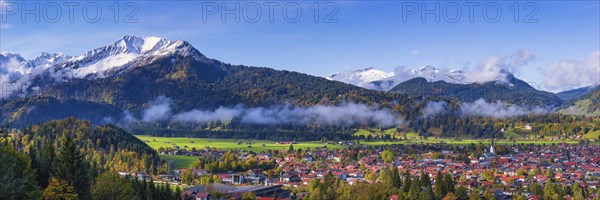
{"x":588,"y":105}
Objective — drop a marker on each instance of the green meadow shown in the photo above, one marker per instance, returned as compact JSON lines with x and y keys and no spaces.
{"x":227,"y":144}
{"x":182,"y":161}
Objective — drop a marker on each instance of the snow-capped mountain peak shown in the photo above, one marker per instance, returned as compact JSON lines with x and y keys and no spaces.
{"x":365,"y":75}
{"x":428,"y":72}
{"x":127,"y":45}
{"x":125,"y":53}
{"x":380,"y":80}
{"x":117,"y":56}
{"x":46,"y":60}
{"x":456,"y":76}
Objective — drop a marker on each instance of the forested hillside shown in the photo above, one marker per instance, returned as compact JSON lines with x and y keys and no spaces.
{"x":515,"y":92}
{"x":71,"y":159}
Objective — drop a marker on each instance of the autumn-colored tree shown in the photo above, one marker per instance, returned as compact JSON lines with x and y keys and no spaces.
{"x":249,"y":196}
{"x":450,"y":196}
{"x":59,"y":190}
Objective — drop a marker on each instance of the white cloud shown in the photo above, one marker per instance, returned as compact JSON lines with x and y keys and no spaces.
{"x":434,"y":107}
{"x":570,"y":73}
{"x":497,"y":68}
{"x":415,"y":52}
{"x":160,"y":109}
{"x":200,"y":116}
{"x":490,"y":69}
{"x":498,"y":109}
{"x":344,"y":115}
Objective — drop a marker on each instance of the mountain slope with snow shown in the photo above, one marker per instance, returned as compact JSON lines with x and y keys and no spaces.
{"x":106,"y":61}
{"x":374,"y":79}
{"x":124,"y":54}
{"x":361,"y":77}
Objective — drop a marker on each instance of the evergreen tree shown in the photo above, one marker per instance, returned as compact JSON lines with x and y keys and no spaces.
{"x":440,"y":188}
{"x":549,"y":192}
{"x":35,"y":159}
{"x":448,"y":183}
{"x":71,"y":167}
{"x":17,"y":179}
{"x":395,"y":178}
{"x":407,"y":182}
{"x":425,"y":181}
{"x":426,"y":184}
{"x":47,"y":155}
{"x":536,"y":189}
{"x":415,"y":190}
{"x":110,"y":186}
{"x":577,"y":192}
{"x":461,"y":193}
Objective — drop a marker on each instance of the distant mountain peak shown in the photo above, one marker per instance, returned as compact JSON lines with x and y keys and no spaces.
{"x":6,"y":57}
{"x":360,"y":77}
{"x":46,"y":60}
{"x":428,"y":72}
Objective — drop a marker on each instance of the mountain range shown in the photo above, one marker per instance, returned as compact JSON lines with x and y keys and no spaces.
{"x":576,"y":93}
{"x":371,"y":78}
{"x":429,"y":81}
{"x":122,"y":78}
{"x":514,"y":92}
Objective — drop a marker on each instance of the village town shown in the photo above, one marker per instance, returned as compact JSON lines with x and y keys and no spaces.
{"x":505,"y":170}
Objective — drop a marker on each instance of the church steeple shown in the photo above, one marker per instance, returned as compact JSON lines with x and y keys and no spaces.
{"x":492,"y":146}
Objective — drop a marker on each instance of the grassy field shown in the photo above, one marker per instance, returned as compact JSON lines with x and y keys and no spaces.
{"x":181,"y":161}
{"x":225,"y":144}
{"x":392,"y":132}
{"x":592,"y":135}
{"x":264,"y":145}
{"x":580,"y":108}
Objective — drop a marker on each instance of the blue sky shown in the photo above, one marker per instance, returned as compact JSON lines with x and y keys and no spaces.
{"x":363,"y":34}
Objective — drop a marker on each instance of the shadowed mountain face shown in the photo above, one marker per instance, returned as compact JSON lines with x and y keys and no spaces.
{"x":515,"y":92}
{"x":575,"y":93}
